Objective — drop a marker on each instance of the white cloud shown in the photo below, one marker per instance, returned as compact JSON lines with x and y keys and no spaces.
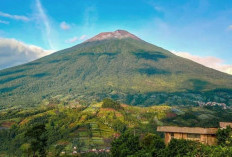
{"x":155,"y":6}
{"x":230,"y":27}
{"x":90,"y":18}
{"x":42,"y":17}
{"x":83,"y":37}
{"x":72,"y":40}
{"x":64,"y":26}
{"x":15,"y":17}
{"x":209,"y":61}
{"x":4,"y":22}
{"x":14,"y":52}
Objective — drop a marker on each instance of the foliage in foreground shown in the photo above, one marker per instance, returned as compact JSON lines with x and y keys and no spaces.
{"x":129,"y":144}
{"x":224,"y":136}
{"x":153,"y":146}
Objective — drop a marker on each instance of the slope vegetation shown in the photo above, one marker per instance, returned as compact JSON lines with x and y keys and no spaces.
{"x":127,"y":69}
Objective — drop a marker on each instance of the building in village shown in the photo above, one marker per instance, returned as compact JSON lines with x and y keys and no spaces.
{"x":202,"y":135}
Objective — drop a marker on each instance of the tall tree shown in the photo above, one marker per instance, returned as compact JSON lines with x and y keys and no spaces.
{"x":37,"y":137}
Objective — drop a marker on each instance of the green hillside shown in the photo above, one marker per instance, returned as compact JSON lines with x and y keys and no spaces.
{"x":94,"y":126}
{"x":132,"y":71}
{"x":85,"y":127}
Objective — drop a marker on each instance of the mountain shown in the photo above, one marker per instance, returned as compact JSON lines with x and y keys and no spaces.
{"x":119,"y":34}
{"x":118,"y":65}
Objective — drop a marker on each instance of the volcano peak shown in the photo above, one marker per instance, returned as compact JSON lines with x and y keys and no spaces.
{"x":118,"y":34}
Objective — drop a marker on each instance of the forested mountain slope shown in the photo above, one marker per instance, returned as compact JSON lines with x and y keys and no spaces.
{"x":118,"y":65}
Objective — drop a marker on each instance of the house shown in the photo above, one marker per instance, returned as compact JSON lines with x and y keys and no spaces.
{"x":203,"y":135}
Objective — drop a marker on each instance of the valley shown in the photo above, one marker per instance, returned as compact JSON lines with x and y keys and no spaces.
{"x":93,"y":127}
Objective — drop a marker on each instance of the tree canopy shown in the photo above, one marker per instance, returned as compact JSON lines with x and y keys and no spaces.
{"x":37,"y":138}
{"x":109,"y":103}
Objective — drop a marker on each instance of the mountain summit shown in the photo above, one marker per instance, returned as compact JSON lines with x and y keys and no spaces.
{"x":117,"y":65}
{"x":118,"y":34}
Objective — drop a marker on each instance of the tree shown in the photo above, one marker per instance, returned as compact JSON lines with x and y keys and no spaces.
{"x":224,"y":136}
{"x":26,"y":148}
{"x":38,"y":139}
{"x":109,"y":103}
{"x":119,"y":126}
{"x":181,"y":147}
{"x":59,"y":149}
{"x":127,"y":144}
{"x":153,"y":144}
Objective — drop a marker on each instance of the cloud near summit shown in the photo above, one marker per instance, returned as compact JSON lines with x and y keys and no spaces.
{"x":75,"y":39}
{"x":14,"y":52}
{"x":208,"y":61}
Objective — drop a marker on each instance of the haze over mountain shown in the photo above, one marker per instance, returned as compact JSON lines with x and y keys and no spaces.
{"x":114,"y":64}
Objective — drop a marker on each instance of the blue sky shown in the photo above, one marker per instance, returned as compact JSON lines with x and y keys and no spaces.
{"x":202,"y":28}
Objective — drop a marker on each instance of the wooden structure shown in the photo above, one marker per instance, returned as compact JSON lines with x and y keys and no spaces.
{"x":225,"y":124}
{"x":203,"y":135}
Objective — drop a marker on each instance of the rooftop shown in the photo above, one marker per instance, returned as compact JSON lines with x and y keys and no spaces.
{"x":190,"y":130}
